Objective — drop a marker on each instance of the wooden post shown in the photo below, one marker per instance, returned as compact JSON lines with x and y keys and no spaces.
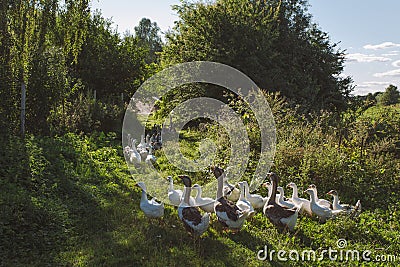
{"x":23,"y":103}
{"x":94,"y":95}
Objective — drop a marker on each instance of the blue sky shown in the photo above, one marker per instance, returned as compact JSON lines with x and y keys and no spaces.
{"x":368,"y":30}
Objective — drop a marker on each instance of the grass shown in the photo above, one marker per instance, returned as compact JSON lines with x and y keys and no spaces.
{"x":70,"y":201}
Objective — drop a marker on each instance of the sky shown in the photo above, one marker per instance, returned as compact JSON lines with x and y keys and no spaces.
{"x":368,"y":31}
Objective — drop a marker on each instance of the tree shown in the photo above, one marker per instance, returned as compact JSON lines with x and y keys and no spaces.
{"x":273,"y":42}
{"x":390,"y":96}
{"x":148,"y":34}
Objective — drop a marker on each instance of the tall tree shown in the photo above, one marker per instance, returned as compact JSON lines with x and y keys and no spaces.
{"x":273,"y":42}
{"x":148,"y":34}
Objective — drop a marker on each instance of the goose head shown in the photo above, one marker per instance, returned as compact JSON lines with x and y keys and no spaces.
{"x":266,"y":184}
{"x":273,"y":177}
{"x":310,"y":191}
{"x":291,"y":185}
{"x":169,"y":178}
{"x":218,"y":172}
{"x":312,"y":186}
{"x":332,"y":193}
{"x":196,"y":186}
{"x":186,"y":180}
{"x":141,"y":185}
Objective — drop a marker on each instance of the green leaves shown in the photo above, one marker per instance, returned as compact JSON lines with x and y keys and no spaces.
{"x":273,"y":42}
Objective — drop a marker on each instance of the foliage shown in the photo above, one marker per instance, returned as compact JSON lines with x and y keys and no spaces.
{"x":60,"y":51}
{"x":255,"y":37}
{"x":148,"y":34}
{"x":69,"y":200}
{"x":390,"y":96}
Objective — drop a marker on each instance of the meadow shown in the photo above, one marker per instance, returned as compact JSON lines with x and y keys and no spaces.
{"x":70,"y":200}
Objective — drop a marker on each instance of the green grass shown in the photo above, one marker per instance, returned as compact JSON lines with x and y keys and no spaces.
{"x":70,"y":201}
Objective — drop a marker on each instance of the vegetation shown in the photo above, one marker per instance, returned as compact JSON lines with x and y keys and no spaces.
{"x":70,"y":200}
{"x":390,"y":96}
{"x":256,"y":41}
{"x":66,"y":195}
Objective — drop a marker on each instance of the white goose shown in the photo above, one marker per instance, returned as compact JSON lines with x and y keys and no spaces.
{"x":150,"y":157}
{"x":322,"y":202}
{"x":230,"y":191}
{"x":305,"y":204}
{"x":205,"y":203}
{"x":191,"y":217}
{"x":151,"y":208}
{"x":257,"y":201}
{"x":175,"y":195}
{"x":243,"y":203}
{"x":344,"y":207}
{"x":281,"y":217}
{"x":322,"y":212}
{"x":142,"y":144}
{"x":228,"y":214}
{"x":131,"y":153}
{"x":281,"y":200}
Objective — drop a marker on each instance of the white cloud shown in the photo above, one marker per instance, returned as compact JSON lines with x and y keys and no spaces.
{"x":392,"y":73}
{"x":373,"y":84}
{"x":381,"y":46}
{"x":390,"y":54}
{"x":358,"y":57}
{"x":396,"y":64}
{"x":371,"y":87}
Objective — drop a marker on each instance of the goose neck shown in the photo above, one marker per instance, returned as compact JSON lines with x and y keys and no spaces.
{"x":242,"y":191}
{"x":220,"y":186}
{"x":199,"y":191}
{"x":312,"y":196}
{"x":186,"y":195}
{"x":144,"y":196}
{"x":273,"y":192}
{"x":295,"y":192}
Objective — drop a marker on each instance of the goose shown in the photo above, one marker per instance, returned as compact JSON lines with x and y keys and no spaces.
{"x":322,"y":212}
{"x":147,"y":142}
{"x":151,"y":208}
{"x":142,"y":144}
{"x":281,"y":201}
{"x":150,"y":157}
{"x":175,"y":195}
{"x":344,"y":207}
{"x":132,"y":154}
{"x":305,"y":204}
{"x":230,"y":191}
{"x":280,"y":216}
{"x":256,"y":200}
{"x":322,"y":202}
{"x":228,"y":214}
{"x":205,"y":203}
{"x":194,"y":222}
{"x":243,"y":203}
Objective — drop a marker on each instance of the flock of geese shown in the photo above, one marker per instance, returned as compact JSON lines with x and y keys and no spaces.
{"x":144,"y":151}
{"x":232,"y":205}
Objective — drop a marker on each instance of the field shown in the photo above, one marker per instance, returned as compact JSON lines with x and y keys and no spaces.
{"x":70,"y":201}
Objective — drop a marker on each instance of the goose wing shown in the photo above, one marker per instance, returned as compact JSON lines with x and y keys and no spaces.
{"x":227,"y":210}
{"x":275,"y":213}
